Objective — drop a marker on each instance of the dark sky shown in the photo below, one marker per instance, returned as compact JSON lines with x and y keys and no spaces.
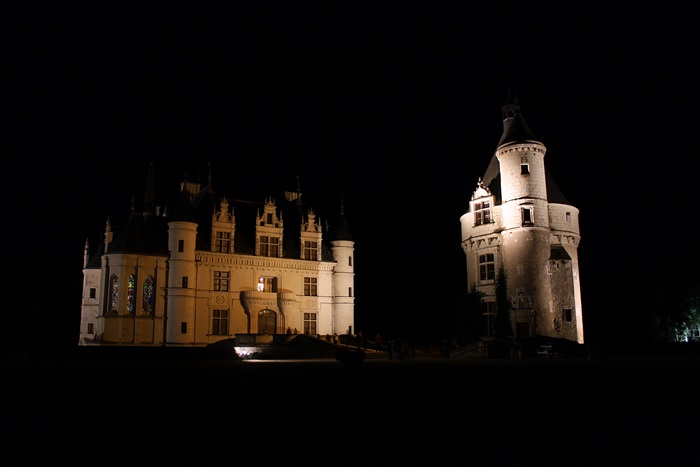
{"x":395,"y":106}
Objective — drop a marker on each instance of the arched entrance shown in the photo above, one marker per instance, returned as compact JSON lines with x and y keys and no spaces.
{"x":267,"y":322}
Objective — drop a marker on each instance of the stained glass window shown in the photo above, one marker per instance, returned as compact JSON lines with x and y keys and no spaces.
{"x":113,"y":292}
{"x":131,"y":294}
{"x":148,"y":296}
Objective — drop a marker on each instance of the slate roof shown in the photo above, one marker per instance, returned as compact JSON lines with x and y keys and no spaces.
{"x":148,"y":234}
{"x":516,"y":130}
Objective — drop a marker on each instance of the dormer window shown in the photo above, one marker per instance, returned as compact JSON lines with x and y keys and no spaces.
{"x":222,"y":241}
{"x":482,"y":213}
{"x":269,"y":246}
{"x":310,"y":250}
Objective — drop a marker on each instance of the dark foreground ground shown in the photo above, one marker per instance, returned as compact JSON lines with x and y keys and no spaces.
{"x":466,"y":412}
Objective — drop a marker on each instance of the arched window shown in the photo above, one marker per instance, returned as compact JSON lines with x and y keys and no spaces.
{"x":131,"y":294}
{"x":113,"y":294}
{"x":148,"y":296}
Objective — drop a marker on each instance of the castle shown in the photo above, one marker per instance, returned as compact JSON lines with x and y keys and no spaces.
{"x":519,"y":224}
{"x":210,"y":268}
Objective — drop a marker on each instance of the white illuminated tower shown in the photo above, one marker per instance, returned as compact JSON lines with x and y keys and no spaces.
{"x":519,"y":221}
{"x":182,"y":274}
{"x":343,"y":249}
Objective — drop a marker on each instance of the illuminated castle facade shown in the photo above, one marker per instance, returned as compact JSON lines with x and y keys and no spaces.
{"x":210,"y":269}
{"x":519,"y":223}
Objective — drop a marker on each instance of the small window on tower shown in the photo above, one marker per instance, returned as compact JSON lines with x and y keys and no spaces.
{"x":524,"y":169}
{"x":93,"y":292}
{"x":567,"y":315}
{"x":487,"y":267}
{"x":180,"y":246}
{"x":528,"y":218}
{"x":568,"y":217}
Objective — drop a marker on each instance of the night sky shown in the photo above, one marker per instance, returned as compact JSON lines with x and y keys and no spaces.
{"x":395,"y":107}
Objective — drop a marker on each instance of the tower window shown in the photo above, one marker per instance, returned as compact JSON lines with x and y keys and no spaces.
{"x":487,"y":267}
{"x":568,"y":316}
{"x":180,"y":246}
{"x":482,"y":213}
{"x":524,"y":169}
{"x":183,"y":328}
{"x":528,"y":218}
{"x":185,"y":281}
{"x":568,"y":217}
{"x":93,"y":292}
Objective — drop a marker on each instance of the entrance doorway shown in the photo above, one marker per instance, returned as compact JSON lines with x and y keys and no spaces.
{"x":267,"y":322}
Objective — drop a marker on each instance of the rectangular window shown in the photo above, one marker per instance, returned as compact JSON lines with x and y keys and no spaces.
{"x":93,"y":292}
{"x":219,"y":323}
{"x":184,"y":282}
{"x":267,"y":284}
{"x":528,"y":218}
{"x":221,"y":280}
{"x":524,"y":169}
{"x":568,"y":317}
{"x":91,"y":328}
{"x":349,"y":291}
{"x":222,"y":241}
{"x":180,"y":246}
{"x":269,"y":218}
{"x":310,"y":250}
{"x":183,"y":328}
{"x":310,"y":286}
{"x":269,"y":246}
{"x":568,"y":217}
{"x":482,"y":213}
{"x":487,"y":267}
{"x":349,"y":260}
{"x":310,"y":323}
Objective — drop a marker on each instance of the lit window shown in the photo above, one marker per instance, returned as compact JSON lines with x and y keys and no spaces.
{"x":219,"y":323}
{"x":113,"y":294}
{"x":310,"y":323}
{"x":221,"y":280}
{"x":487,"y":267}
{"x":222,"y":241}
{"x":310,"y":286}
{"x":267,"y":284}
{"x":131,"y":294}
{"x":482,"y":213}
{"x":310,"y":250}
{"x":148,"y":301}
